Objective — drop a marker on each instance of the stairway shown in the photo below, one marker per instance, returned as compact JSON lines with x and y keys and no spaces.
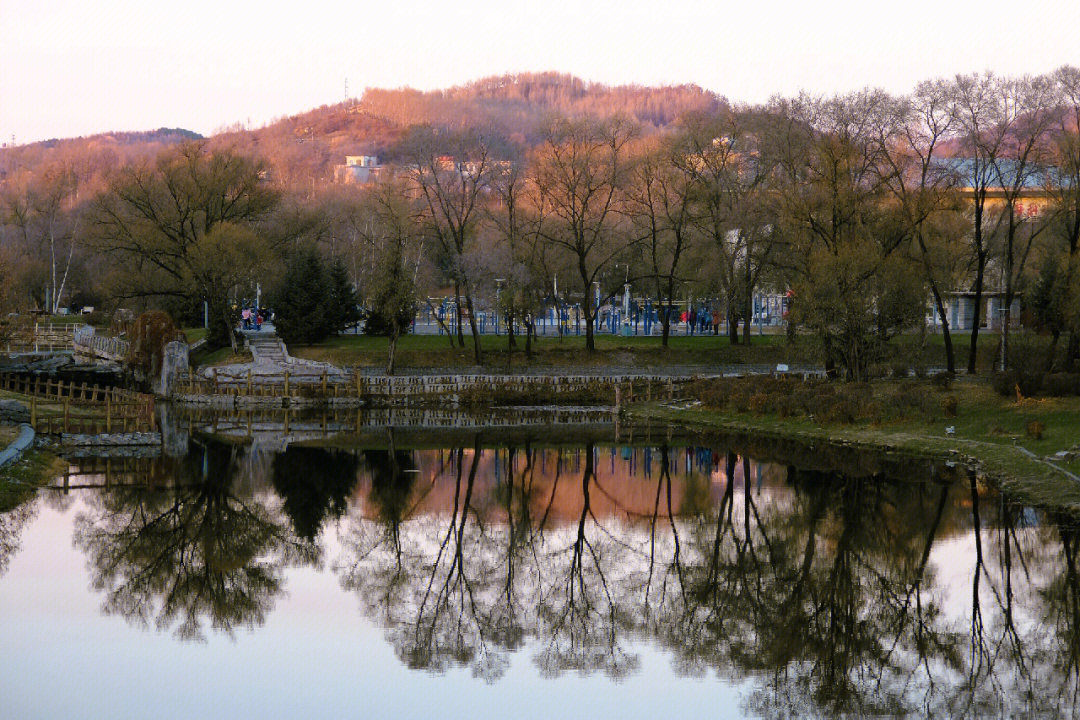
{"x":267,"y":349}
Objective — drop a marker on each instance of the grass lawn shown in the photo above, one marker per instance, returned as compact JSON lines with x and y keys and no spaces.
{"x":221,"y":356}
{"x":421,"y":351}
{"x":988,"y":428}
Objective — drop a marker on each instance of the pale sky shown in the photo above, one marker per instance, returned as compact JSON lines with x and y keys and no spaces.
{"x":77,"y":68}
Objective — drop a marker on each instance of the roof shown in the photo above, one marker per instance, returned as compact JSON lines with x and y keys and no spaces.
{"x":1002,"y":174}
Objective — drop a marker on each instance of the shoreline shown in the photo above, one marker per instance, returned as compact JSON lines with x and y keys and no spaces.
{"x":1014,"y":469}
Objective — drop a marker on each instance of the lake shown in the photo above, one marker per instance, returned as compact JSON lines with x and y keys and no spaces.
{"x":533,"y":573}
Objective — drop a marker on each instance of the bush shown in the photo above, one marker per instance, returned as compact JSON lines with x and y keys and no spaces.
{"x":1004,"y":383}
{"x":1035,"y":429}
{"x":942,"y":380}
{"x":1061,"y":384}
{"x":949,"y":405}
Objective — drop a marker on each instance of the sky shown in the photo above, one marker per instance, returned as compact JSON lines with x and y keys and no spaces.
{"x":78,"y":68}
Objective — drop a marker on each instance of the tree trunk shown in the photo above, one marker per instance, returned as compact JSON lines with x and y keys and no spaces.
{"x":950,"y":354}
{"x":1006,"y":316}
{"x":472,"y":326}
{"x":457,"y":314}
{"x":392,"y":353}
{"x":980,"y":271}
{"x":1053,"y":351}
{"x":748,"y":313}
{"x":1072,"y":355}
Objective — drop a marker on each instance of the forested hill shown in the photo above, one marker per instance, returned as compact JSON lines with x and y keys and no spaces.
{"x":89,"y":158}
{"x":308,"y":145}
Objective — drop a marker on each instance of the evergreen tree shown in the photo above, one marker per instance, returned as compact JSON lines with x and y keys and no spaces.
{"x":343,"y":309}
{"x":302,"y":300}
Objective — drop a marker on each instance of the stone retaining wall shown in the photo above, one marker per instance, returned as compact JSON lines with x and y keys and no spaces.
{"x":110,"y":439}
{"x":454,"y":390}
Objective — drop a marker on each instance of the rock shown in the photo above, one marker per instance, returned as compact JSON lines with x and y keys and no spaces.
{"x":173,"y":362}
{"x":13,"y":412}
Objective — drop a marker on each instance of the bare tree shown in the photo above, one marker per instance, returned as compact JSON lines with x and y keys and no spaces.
{"x":925,"y":188}
{"x":450,"y":171}
{"x":659,"y":205}
{"x":577,"y":175}
{"x":1001,"y":122}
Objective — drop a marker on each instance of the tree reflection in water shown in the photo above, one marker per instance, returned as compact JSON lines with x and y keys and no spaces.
{"x":191,"y":552}
{"x":14,"y":517}
{"x":834,"y":594}
{"x":829,"y":593}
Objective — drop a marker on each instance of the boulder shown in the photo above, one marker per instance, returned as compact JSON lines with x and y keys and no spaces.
{"x":13,"y":412}
{"x":173,"y":362}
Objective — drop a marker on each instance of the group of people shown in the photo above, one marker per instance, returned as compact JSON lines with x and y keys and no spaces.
{"x":252,"y":318}
{"x":701,"y":319}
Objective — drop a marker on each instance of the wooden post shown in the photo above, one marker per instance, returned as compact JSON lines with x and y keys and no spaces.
{"x":67,"y":413}
{"x":108,"y":414}
{"x":33,"y":412}
{"x":324,"y":383}
{"x":249,"y":382}
{"x":286,"y":395}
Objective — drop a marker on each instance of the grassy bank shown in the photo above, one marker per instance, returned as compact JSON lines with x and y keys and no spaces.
{"x":989,"y":431}
{"x":424,"y":351}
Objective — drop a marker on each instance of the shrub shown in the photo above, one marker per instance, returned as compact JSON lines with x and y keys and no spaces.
{"x":1003,"y":383}
{"x":1030,"y":383}
{"x":1061,"y":384}
{"x":912,"y":400}
{"x":949,"y":405}
{"x":942,"y":380}
{"x":1035,"y":429}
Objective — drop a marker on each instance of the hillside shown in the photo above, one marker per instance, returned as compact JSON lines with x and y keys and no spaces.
{"x":307,"y":145}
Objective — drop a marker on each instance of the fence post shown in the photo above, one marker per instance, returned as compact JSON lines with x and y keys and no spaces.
{"x":108,"y":413}
{"x":286,"y":395}
{"x":324,"y":383}
{"x":67,"y":413}
{"x":249,"y":381}
{"x":33,"y":412}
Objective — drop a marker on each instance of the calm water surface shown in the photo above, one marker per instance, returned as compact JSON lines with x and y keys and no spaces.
{"x":515,"y":578}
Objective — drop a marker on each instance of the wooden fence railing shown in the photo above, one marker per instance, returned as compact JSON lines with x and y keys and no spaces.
{"x":43,"y":337}
{"x":58,"y":405}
